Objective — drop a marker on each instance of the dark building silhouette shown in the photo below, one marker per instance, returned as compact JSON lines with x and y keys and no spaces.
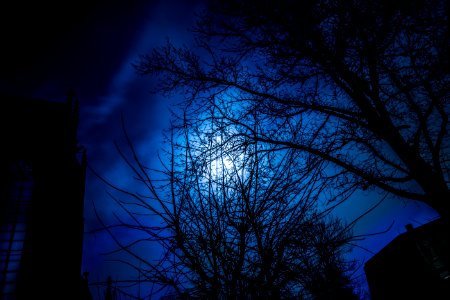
{"x":41,"y":202}
{"x":415,"y":265}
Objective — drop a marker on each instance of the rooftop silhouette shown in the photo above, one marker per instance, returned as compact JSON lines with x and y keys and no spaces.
{"x":415,"y":265}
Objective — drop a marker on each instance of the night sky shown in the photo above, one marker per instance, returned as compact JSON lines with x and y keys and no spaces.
{"x":49,"y":48}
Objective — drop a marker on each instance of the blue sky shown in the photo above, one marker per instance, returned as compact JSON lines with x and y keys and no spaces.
{"x":91,"y":51}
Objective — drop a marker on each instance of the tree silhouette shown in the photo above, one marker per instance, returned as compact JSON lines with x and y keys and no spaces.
{"x":360,"y":85}
{"x":233,"y":223}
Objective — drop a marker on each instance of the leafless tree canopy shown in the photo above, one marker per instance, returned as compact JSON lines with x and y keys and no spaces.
{"x":234,"y":223}
{"x":360,"y":85}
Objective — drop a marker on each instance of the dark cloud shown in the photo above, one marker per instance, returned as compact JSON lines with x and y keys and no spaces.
{"x":48,"y":45}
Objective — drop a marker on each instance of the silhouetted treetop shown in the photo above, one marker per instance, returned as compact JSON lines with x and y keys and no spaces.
{"x":232,"y":223}
{"x":363,"y":85}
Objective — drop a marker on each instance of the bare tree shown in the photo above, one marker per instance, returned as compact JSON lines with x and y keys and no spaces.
{"x":242,"y":222}
{"x":361,"y":85}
